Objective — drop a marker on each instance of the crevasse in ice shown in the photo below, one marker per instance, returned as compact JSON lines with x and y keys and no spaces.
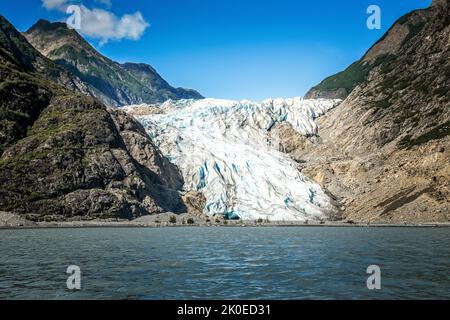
{"x":223,"y":149}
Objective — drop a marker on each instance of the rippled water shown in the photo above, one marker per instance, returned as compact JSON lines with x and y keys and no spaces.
{"x":225,"y":263}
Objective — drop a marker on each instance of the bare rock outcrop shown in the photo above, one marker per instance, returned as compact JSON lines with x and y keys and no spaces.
{"x":64,"y":155}
{"x":385,"y":150}
{"x":77,"y":162}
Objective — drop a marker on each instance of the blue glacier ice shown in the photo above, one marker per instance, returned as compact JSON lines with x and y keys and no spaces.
{"x":224,"y":150}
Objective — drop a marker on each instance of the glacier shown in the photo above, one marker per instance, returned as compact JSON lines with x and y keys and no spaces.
{"x":223,"y":149}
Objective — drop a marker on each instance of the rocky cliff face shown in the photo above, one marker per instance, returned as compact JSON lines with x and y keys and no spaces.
{"x":28,"y":83}
{"x":65,"y":155}
{"x":385,"y":149}
{"x":107,"y":80}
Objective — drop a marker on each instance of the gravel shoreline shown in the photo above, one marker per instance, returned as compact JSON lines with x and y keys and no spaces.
{"x":14,"y":221}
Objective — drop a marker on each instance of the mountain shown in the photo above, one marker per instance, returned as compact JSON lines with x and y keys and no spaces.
{"x":379,"y":155}
{"x":111,"y":82}
{"x":389,"y":46}
{"x":64,"y":155}
{"x":148,"y":76}
{"x":385,"y":149}
{"x":223,"y":150}
{"x":22,"y":68}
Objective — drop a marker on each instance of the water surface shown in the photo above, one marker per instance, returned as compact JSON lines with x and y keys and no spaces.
{"x":225,"y":263}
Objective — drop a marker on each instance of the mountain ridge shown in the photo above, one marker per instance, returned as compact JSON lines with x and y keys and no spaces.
{"x":385,"y":149}
{"x":113,"y":83}
{"x":340,"y":85}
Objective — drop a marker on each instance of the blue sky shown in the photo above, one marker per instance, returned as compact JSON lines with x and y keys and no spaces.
{"x":248,"y":49}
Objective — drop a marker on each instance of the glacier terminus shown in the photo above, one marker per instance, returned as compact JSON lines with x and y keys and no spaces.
{"x":224,"y":150}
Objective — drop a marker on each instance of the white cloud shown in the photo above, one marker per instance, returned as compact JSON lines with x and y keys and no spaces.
{"x":104,"y":25}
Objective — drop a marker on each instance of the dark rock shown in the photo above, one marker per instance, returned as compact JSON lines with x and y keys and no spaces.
{"x":65,"y":155}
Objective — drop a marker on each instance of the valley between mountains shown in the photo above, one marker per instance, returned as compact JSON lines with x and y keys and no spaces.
{"x":85,"y":138}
